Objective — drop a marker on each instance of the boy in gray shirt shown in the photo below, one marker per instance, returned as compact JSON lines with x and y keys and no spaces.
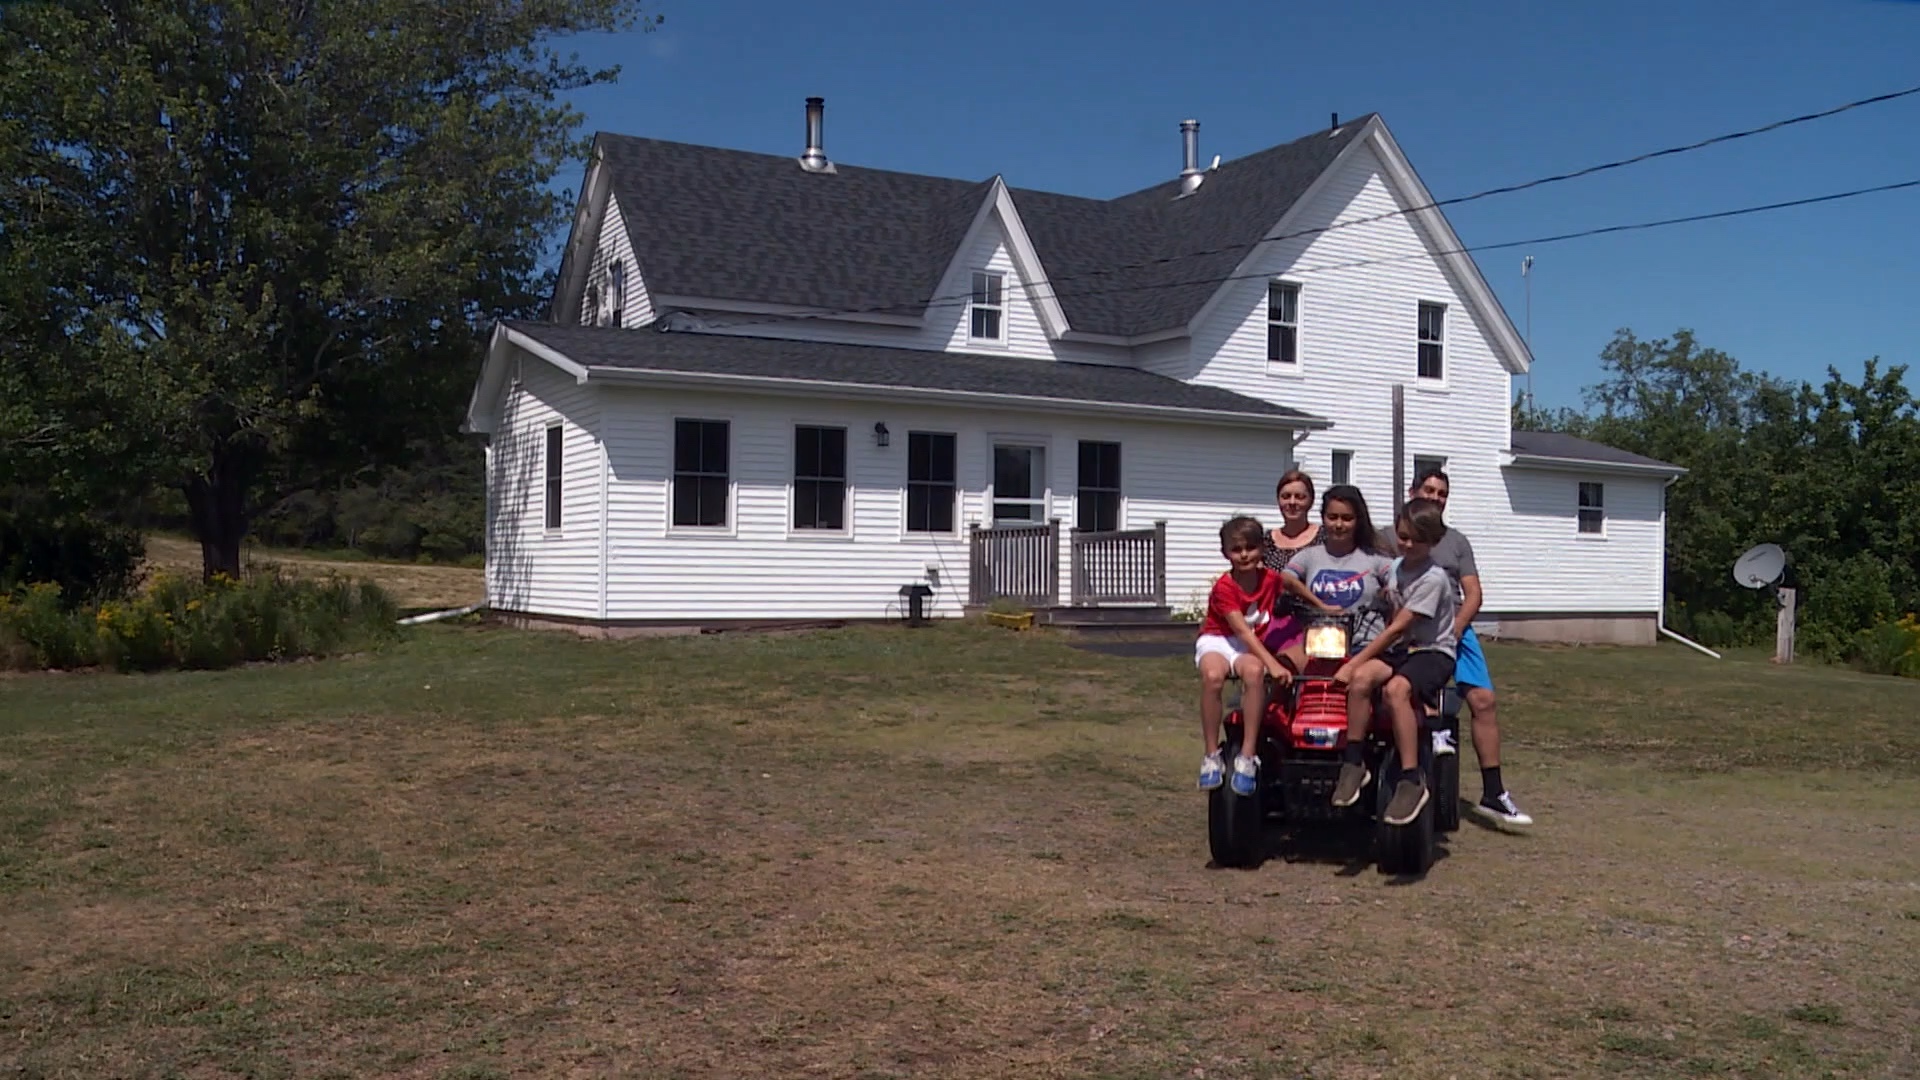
{"x":1410,"y":661}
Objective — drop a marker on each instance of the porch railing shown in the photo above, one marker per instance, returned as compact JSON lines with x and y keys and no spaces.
{"x":1022,"y":563}
{"x":1016,"y":562}
{"x":1119,"y":567}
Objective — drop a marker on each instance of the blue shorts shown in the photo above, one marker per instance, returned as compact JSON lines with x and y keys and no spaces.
{"x":1470,"y":664}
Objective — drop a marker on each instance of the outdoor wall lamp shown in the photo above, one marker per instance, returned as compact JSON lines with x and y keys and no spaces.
{"x":880,"y":436}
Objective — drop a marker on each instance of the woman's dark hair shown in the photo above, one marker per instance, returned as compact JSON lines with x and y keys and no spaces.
{"x":1423,"y":520}
{"x":1363,"y":535}
{"x":1289,"y":477}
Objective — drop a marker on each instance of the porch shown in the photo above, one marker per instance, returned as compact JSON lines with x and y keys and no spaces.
{"x":1111,"y":578}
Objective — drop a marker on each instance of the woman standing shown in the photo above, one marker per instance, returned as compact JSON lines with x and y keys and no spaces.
{"x":1294,"y":493}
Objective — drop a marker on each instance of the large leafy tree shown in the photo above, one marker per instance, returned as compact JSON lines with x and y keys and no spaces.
{"x":1832,"y":474}
{"x":252,"y":243}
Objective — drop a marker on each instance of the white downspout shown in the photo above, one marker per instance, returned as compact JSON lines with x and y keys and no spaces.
{"x":1660,"y":613}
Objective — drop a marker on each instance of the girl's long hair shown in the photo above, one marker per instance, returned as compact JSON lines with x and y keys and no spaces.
{"x":1364,"y":538}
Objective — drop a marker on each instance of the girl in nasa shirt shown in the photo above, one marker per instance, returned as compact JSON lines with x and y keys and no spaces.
{"x":1341,"y":574}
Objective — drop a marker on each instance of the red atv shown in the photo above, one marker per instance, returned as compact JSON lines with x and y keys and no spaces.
{"x":1301,"y":740}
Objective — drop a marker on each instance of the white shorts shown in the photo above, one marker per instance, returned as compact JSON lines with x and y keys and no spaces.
{"x":1230,"y":649}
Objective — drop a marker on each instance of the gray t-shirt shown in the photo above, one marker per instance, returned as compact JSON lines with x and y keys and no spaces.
{"x":1350,"y":582}
{"x":1428,"y":593}
{"x":1454,"y":553}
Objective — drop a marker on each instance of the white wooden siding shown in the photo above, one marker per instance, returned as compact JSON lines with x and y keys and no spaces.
{"x":947,"y":321}
{"x":615,"y":245}
{"x":759,"y":568}
{"x":529,"y":568}
{"x":1545,"y":565}
{"x":1358,"y":335}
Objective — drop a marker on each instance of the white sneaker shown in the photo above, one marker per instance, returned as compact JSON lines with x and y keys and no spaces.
{"x":1442,"y":743}
{"x":1213,"y":771}
{"x":1501,"y":809}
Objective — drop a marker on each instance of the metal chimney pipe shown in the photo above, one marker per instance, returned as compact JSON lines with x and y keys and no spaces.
{"x":1190,"y":174}
{"x":815,"y":157}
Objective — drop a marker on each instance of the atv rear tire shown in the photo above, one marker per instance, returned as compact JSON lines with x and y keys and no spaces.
{"x":1235,"y":826}
{"x":1446,"y":792}
{"x":1404,"y":849}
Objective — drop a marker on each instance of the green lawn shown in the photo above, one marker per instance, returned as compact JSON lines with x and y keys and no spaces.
{"x":951,"y":852}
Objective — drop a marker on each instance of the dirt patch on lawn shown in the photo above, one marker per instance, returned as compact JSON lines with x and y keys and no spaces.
{"x":412,"y":585}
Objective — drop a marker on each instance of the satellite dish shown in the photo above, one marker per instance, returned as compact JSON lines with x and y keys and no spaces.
{"x":1760,"y":567}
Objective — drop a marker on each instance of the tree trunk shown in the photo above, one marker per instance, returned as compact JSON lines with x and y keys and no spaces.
{"x":217,"y":503}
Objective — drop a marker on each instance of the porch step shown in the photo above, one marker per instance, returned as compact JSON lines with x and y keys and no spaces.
{"x":1141,"y":624}
{"x":1102,"y":616}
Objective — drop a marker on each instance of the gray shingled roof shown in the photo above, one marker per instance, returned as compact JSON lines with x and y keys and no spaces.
{"x":691,"y":352}
{"x":733,"y":225}
{"x":1555,"y":445}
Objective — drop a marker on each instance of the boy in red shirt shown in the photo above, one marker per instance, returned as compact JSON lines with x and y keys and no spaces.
{"x":1238,"y":609}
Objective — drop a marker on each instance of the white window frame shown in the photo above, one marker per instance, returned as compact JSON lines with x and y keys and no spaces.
{"x":1421,"y":341}
{"x":1281,"y":367}
{"x":1580,"y":509}
{"x":1043,"y":443}
{"x":616,"y":292}
{"x":1119,"y":493}
{"x":1418,"y":467}
{"x":732,"y":527}
{"x":1333,"y":467}
{"x":845,"y":531}
{"x":556,"y":485}
{"x":906,"y":484}
{"x":994,"y":278}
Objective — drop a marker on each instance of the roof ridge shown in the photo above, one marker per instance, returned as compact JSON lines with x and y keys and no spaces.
{"x":1173,"y":184}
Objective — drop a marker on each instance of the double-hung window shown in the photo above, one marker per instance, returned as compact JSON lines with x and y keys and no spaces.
{"x":931,"y":487}
{"x":556,"y":450}
{"x":1593,"y":508}
{"x":987,"y":313}
{"x":1098,"y":500}
{"x":701,"y":480}
{"x":1283,"y":324}
{"x":1432,"y":327}
{"x":820,"y":478}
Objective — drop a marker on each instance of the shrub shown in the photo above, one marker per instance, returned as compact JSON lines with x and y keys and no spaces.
{"x":41,"y":632}
{"x":177,"y":622}
{"x":87,"y":558}
{"x":1891,"y":648}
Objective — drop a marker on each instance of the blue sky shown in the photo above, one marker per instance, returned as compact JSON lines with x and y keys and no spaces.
{"x":1086,"y":98}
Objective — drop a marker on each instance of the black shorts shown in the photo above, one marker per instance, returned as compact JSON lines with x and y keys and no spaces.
{"x":1426,"y":671}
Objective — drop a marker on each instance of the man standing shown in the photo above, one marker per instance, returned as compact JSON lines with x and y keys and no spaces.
{"x":1454,"y":553}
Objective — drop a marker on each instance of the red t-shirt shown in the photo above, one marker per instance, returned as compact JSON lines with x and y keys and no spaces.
{"x":1227,"y":596}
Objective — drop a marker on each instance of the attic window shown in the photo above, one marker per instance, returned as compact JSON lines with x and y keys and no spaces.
{"x":1432,"y":364}
{"x":1283,"y":324}
{"x":987,"y":314}
{"x":617,"y":287}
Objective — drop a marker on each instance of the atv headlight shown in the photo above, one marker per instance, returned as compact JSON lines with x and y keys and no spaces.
{"x":1327,"y":642}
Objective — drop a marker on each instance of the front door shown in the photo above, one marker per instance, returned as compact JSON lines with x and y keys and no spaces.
{"x":1019,"y":484}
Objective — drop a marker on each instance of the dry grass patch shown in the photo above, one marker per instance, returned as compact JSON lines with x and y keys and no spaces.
{"x":412,"y":585}
{"x":951,"y":854}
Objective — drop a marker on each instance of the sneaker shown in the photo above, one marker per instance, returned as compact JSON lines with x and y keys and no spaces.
{"x":1246,"y":775}
{"x":1212,"y":771}
{"x":1442,"y":743}
{"x":1353,"y":777}
{"x":1502,"y":810}
{"x":1409,"y":798}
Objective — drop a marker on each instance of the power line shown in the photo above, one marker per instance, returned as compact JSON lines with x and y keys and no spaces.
{"x":1606,"y":229}
{"x":910,"y":306}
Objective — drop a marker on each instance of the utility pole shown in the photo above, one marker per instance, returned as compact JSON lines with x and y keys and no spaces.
{"x":1526,"y":275}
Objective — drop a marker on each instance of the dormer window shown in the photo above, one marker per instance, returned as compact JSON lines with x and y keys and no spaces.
{"x":987,"y":314}
{"x":617,"y":290}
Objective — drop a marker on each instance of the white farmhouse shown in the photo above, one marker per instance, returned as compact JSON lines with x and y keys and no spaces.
{"x":775,"y":389}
